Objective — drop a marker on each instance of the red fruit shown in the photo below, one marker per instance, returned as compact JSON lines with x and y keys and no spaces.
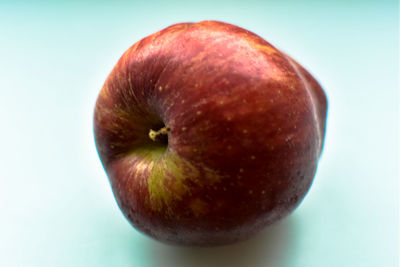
{"x":208,"y":133}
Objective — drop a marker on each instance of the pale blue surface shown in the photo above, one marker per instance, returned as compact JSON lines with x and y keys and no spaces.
{"x":56,"y":205}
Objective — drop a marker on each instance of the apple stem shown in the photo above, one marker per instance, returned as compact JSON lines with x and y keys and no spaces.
{"x":163,"y":131}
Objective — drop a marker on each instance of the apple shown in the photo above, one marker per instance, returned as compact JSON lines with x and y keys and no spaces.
{"x":208,"y":133}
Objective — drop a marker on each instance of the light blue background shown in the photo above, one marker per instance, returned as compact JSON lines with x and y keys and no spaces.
{"x":57,"y":208}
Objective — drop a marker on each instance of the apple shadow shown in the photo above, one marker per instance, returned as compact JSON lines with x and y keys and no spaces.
{"x":268,"y":248}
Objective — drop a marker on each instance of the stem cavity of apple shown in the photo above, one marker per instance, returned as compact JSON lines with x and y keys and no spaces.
{"x":155,"y":134}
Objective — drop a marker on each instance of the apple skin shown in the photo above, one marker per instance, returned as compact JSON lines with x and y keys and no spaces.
{"x":246,"y":128}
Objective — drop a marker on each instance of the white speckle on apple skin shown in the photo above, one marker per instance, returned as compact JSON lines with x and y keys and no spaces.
{"x":288,"y":138}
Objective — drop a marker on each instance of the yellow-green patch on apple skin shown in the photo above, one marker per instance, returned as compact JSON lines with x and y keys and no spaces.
{"x":246,"y":128}
{"x":169,"y":176}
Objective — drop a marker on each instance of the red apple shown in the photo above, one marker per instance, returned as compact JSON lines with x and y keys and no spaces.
{"x":208,"y":133}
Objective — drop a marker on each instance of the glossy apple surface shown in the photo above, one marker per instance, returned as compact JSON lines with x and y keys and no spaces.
{"x":208,"y":133}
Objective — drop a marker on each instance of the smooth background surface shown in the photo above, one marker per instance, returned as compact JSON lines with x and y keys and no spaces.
{"x":56,"y":206}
